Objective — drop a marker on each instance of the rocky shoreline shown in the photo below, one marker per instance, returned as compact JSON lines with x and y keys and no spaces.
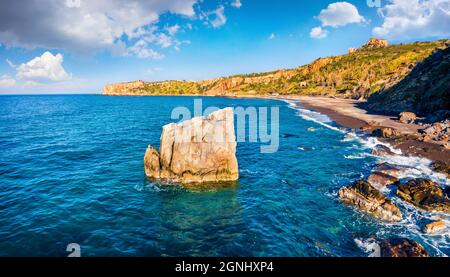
{"x":409,"y":138}
{"x":367,"y":195}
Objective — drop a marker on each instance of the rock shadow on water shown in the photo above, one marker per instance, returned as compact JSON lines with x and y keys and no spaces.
{"x":206,"y":220}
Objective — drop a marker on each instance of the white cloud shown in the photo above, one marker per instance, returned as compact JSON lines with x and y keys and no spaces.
{"x":141,"y":50}
{"x":215,"y":18}
{"x":272,"y":36}
{"x":45,"y":67}
{"x":73,"y":3}
{"x":7,"y":82}
{"x":10,"y":63}
{"x":163,"y":40}
{"x":83,"y":26}
{"x":237,"y":4}
{"x":89,"y":27}
{"x":415,"y":19}
{"x":172,"y":30}
{"x":340,"y":14}
{"x":318,"y":33}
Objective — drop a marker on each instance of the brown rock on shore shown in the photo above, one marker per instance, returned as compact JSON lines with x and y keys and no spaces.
{"x":400,"y":247}
{"x":381,"y":150}
{"x":407,"y":117}
{"x":368,"y":199}
{"x":386,"y":132}
{"x":441,"y":167}
{"x":389,"y":169}
{"x":434,"y":227}
{"x":200,"y":150}
{"x":380,"y":179}
{"x":424,"y":194}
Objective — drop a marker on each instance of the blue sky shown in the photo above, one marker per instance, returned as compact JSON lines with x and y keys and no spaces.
{"x":112,"y":41}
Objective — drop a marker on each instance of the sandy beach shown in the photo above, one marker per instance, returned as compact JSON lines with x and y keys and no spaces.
{"x":347,"y":113}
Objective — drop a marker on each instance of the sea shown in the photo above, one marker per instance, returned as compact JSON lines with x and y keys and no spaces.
{"x":71,"y":173}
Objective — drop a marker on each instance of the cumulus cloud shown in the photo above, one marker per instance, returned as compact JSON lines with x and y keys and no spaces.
{"x":7,"y":82}
{"x":336,"y":15}
{"x":83,"y":26}
{"x":237,"y":4}
{"x":141,"y":50}
{"x":414,"y":19}
{"x":318,"y":33}
{"x":340,"y":14}
{"x":46,"y":67}
{"x":272,"y":36}
{"x":215,"y":18}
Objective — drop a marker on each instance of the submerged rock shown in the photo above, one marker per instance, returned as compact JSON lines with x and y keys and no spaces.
{"x":368,"y":199}
{"x":381,"y":150}
{"x":424,"y":194}
{"x":400,"y":247}
{"x":434,"y":227}
{"x":407,"y":117}
{"x":380,"y":179}
{"x":199,"y":150}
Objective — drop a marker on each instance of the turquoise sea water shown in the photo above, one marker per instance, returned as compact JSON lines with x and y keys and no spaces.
{"x":71,"y":171}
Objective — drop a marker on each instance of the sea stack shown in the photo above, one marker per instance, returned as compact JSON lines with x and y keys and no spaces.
{"x":200,"y":150}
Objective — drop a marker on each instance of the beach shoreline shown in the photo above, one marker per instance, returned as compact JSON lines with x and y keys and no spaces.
{"x":348,"y":113}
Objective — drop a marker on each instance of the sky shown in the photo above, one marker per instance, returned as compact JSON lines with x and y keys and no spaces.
{"x":78,"y":46}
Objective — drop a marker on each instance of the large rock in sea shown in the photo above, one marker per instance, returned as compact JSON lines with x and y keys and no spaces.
{"x":200,"y":150}
{"x":400,"y":247}
{"x":368,"y":199}
{"x":425,"y":194}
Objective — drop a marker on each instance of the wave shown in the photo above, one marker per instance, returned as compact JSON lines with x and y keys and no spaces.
{"x":413,"y":167}
{"x":369,"y":246}
{"x":313,"y":116}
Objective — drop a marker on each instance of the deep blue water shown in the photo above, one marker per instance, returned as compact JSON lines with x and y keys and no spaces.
{"x":71,"y":171}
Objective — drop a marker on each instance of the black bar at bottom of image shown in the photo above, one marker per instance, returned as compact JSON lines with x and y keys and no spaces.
{"x":209,"y":266}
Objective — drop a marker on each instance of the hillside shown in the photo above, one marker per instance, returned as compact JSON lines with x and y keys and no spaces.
{"x":426,"y":90}
{"x":372,"y":68}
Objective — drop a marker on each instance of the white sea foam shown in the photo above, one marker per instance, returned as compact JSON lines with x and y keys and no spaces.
{"x":369,"y":246}
{"x":357,"y":156}
{"x":414,"y":167}
{"x":313,"y":116}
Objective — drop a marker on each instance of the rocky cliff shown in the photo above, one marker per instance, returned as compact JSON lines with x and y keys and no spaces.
{"x":373,"y":68}
{"x":199,"y":150}
{"x":424,"y":91}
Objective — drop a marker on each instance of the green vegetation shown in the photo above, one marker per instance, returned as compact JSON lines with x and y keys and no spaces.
{"x":356,"y":75}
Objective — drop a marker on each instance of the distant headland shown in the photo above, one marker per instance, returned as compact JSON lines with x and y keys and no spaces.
{"x":364,"y":71}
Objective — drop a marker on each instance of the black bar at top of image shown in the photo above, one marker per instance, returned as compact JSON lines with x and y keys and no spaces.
{"x":222,"y":266}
